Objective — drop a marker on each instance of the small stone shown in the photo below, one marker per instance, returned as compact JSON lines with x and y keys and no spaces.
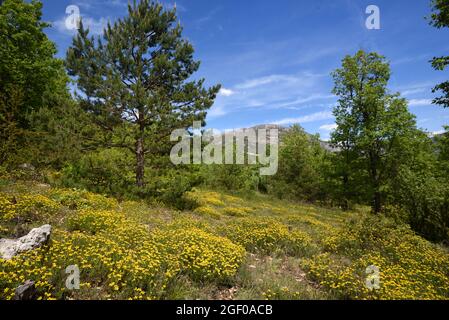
{"x":26,"y":291}
{"x":27,"y":166}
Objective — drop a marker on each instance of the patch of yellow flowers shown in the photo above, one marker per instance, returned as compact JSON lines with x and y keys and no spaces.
{"x":81,"y":199}
{"x":118,"y":260}
{"x":29,"y":206}
{"x":266,"y":235}
{"x":237,"y":211}
{"x":282,"y":293}
{"x":121,"y":258}
{"x":215,"y":205}
{"x":410,"y":267}
{"x":199,"y":254}
{"x":94,"y":221}
{"x":208,"y":212}
{"x":204,"y":198}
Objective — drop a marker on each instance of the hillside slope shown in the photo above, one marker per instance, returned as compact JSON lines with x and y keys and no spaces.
{"x":228,"y":247}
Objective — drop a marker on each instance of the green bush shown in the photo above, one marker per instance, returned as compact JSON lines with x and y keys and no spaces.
{"x":105,"y":171}
{"x":231,"y":177}
{"x":170,"y":185}
{"x":425,"y":198}
{"x":301,"y":159}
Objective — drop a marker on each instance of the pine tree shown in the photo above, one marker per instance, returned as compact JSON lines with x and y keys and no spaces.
{"x":371,"y":121}
{"x":136,"y":79}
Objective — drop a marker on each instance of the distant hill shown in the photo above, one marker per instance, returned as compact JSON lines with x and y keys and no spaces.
{"x":283,"y":130}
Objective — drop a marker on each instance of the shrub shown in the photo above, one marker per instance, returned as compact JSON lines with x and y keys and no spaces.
{"x":92,"y":221}
{"x":266,"y":235}
{"x":81,"y":199}
{"x":237,"y":212}
{"x":104,"y":171}
{"x":199,"y":254}
{"x":118,"y":271}
{"x":26,"y":207}
{"x":208,"y":211}
{"x":424,"y":198}
{"x":170,"y":186}
{"x":410,"y":267}
{"x":301,"y":161}
{"x":204,"y":198}
{"x":231,"y":177}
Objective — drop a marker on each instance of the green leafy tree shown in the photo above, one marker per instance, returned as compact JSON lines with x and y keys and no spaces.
{"x":30,"y":75}
{"x":419,"y":193}
{"x":371,"y":122}
{"x":300,"y":162}
{"x":443,"y":145}
{"x":440,"y":19}
{"x":136,"y":80}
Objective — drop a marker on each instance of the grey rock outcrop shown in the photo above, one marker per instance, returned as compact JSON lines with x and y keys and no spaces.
{"x":34,"y":239}
{"x":26,"y":291}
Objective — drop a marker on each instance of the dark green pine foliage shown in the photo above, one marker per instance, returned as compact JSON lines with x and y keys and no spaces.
{"x":136,"y":80}
{"x":440,"y":19}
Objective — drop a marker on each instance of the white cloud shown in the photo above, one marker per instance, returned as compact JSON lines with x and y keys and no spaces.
{"x":302,"y":100}
{"x":329,"y":127}
{"x":419,"y":102}
{"x":205,"y":19}
{"x":257,"y":82}
{"x":317,"y":116}
{"x":410,"y":59}
{"x":96,"y":26}
{"x":226,"y":92}
{"x":435,"y":133}
{"x":173,"y":5}
{"x":89,"y":4}
{"x":277,"y":91}
{"x":414,"y":88}
{"x":216,"y":111}
{"x":413,"y":91}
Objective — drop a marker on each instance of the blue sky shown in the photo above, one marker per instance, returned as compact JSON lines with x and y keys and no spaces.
{"x":274,"y":58}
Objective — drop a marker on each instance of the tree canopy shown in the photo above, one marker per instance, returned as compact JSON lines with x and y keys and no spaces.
{"x":30,"y":76}
{"x":371,"y":122}
{"x":440,"y":19}
{"x":136,"y":80}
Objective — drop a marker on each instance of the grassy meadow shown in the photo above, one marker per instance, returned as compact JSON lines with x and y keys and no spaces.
{"x":226,"y":247}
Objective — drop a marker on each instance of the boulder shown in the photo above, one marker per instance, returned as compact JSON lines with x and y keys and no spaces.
{"x":27,"y":166}
{"x":34,"y":239}
{"x":26,"y":291}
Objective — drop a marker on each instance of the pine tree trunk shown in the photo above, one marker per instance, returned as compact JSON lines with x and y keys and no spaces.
{"x":377,"y":206}
{"x":345,"y":204}
{"x":140,"y":165}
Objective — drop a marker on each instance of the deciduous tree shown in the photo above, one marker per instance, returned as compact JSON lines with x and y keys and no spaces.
{"x":440,"y":19}
{"x":30,"y":75}
{"x":371,"y":122}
